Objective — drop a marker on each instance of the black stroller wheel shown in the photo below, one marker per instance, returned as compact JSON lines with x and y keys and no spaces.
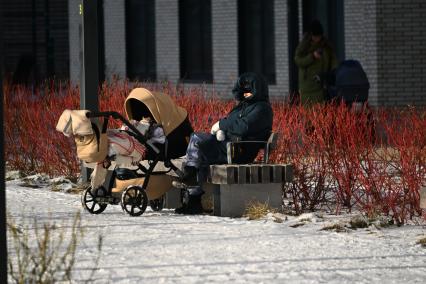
{"x":134,"y":201}
{"x":157,"y":204}
{"x":89,"y":202}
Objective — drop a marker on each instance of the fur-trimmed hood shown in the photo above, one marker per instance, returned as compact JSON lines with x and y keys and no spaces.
{"x":251,"y":82}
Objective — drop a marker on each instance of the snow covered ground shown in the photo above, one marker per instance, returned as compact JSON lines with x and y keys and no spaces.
{"x":161,"y":247}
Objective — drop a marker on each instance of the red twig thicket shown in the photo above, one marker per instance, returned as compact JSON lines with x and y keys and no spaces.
{"x":373,"y":161}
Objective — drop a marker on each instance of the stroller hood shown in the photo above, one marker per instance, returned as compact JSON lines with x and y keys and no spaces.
{"x":162,"y":107}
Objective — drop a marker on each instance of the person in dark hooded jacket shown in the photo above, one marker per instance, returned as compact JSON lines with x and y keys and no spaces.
{"x":249,"y":120}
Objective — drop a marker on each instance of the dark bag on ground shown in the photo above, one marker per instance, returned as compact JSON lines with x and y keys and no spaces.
{"x":350,"y":83}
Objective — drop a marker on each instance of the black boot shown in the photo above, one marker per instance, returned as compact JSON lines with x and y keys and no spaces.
{"x":191,"y":201}
{"x":188,"y":179}
{"x":189,"y":175}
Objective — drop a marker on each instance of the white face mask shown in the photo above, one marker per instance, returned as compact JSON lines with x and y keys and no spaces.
{"x":248,"y":95}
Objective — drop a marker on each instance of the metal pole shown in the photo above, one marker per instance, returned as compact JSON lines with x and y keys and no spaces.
{"x":90,"y":72}
{"x":3,"y":242}
{"x":90,"y":67}
{"x":34,"y":41}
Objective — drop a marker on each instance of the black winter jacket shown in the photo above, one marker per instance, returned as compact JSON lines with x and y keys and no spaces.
{"x":252,"y":118}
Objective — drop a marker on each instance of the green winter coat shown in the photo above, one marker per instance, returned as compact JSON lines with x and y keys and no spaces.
{"x":311,"y":91}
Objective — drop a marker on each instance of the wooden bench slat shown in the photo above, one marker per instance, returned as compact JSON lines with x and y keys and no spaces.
{"x":223,"y":174}
{"x":277,"y":173}
{"x":251,"y":173}
{"x":254,"y":174}
{"x":243,"y":172}
{"x":265,"y":171}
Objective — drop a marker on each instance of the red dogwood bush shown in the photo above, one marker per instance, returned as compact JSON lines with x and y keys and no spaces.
{"x":368,"y":160}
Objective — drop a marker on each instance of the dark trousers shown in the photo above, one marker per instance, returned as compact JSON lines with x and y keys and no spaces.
{"x":204,"y":150}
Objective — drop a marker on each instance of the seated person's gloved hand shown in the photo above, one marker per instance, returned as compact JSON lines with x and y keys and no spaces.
{"x":215,"y":128}
{"x":220,"y":135}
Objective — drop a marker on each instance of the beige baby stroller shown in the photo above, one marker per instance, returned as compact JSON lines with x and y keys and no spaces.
{"x":135,"y":187}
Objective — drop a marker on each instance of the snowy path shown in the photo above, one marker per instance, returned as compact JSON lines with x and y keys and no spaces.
{"x":168,"y":248}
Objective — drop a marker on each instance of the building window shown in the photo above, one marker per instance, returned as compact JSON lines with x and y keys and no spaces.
{"x":140,"y":39}
{"x":256,"y":39}
{"x":195,"y":31}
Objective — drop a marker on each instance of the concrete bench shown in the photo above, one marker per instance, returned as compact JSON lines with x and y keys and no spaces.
{"x":232,"y":187}
{"x":236,"y":186}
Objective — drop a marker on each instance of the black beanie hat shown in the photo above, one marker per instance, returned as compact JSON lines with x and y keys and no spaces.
{"x":316,"y":28}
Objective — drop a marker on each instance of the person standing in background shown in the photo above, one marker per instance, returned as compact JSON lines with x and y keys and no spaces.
{"x":315,"y":59}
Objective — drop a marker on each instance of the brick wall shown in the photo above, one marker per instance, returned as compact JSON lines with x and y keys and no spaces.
{"x":280,"y":89}
{"x":225,"y":45}
{"x":47,"y":22}
{"x":115,"y":38}
{"x":402,"y":52}
{"x":74,"y":35}
{"x":388,"y":37}
{"x":224,"y":40}
{"x":361,"y":40}
{"x":167,"y":40}
{"x":225,"y":48}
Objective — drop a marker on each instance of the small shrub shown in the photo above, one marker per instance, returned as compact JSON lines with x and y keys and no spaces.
{"x":422,"y":242}
{"x":207,"y":203}
{"x":43,"y":254}
{"x":358,"y":222}
{"x":371,"y":161}
{"x":339,"y":228}
{"x":256,"y":210}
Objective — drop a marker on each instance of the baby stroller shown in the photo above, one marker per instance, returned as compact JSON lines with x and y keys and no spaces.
{"x":133,"y":188}
{"x":350,"y":83}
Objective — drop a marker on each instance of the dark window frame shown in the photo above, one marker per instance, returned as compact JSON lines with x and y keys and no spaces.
{"x":293,"y":41}
{"x":265,"y":63}
{"x":195,"y":41}
{"x":146,"y":69}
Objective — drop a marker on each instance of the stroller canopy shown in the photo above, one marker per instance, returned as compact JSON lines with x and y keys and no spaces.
{"x":160,"y":105}
{"x":351,"y":74}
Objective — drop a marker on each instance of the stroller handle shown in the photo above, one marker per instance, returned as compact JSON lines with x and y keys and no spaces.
{"x":115,"y":115}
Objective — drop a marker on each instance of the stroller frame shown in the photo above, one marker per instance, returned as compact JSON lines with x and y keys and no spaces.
{"x":134,"y":199}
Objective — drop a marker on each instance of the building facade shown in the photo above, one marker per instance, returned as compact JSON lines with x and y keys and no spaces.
{"x":210,"y":42}
{"x":35,"y":40}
